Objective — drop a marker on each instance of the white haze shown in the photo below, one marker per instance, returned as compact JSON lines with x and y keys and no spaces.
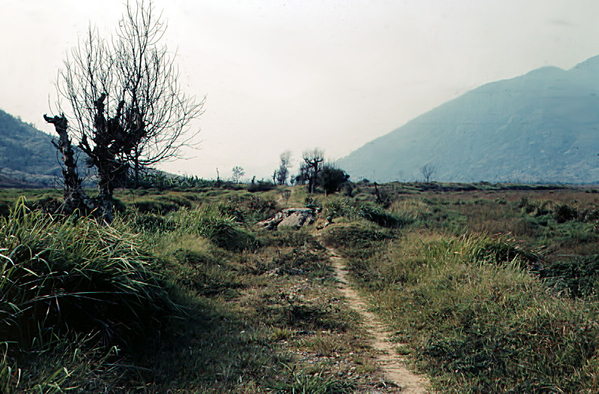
{"x":294,"y":75}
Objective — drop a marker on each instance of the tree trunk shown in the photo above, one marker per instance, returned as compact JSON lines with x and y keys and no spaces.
{"x":74,"y":196}
{"x":136,"y":168}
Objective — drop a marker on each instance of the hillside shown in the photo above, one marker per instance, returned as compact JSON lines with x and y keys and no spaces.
{"x":27,"y":156}
{"x":539,"y":127}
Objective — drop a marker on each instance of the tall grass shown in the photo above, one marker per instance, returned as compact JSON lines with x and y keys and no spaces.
{"x":477,"y":319}
{"x":61,"y":278}
{"x":317,"y":383}
{"x":224,"y":231}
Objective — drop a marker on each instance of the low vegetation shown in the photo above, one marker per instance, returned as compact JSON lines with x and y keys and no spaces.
{"x":488,"y":288}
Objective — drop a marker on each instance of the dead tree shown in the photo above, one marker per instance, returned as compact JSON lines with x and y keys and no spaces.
{"x":158,"y":112}
{"x":313,"y":165}
{"x":127,"y":108}
{"x":427,"y":171}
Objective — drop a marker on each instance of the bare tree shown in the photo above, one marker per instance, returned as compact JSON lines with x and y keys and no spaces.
{"x":427,"y":171}
{"x":238,"y":172}
{"x":159,"y":112}
{"x":127,"y":108}
{"x":312,"y":166}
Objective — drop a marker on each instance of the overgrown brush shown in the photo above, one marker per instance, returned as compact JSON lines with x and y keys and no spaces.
{"x":477,"y":319}
{"x":340,"y":207}
{"x":223,"y":231}
{"x":247,"y":208}
{"x":383,"y":218}
{"x":574,"y":277}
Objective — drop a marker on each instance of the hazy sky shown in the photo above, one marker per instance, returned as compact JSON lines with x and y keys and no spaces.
{"x":294,"y":75}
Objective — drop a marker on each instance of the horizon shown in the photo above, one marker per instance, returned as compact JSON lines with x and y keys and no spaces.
{"x":300,"y":75}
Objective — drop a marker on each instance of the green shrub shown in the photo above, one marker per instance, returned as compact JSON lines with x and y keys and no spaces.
{"x":535,"y":208}
{"x":337,"y":207}
{"x":247,"y":208}
{"x":564,"y":213}
{"x":260,"y":186}
{"x":331,"y":178}
{"x":576,"y":277}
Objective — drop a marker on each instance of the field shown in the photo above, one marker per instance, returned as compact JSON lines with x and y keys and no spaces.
{"x":486,"y":289}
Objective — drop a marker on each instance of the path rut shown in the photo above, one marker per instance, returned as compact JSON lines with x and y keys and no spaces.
{"x":392,"y":364}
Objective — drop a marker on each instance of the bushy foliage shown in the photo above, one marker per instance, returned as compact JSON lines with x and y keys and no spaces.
{"x":535,"y":208}
{"x":260,"y":186}
{"x":332,"y":178}
{"x":338,"y":207}
{"x":247,"y":208}
{"x":161,"y":181}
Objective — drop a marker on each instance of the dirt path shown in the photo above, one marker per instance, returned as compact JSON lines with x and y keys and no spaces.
{"x":390,"y":362}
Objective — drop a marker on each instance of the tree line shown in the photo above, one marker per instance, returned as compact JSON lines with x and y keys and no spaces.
{"x":313,"y":173}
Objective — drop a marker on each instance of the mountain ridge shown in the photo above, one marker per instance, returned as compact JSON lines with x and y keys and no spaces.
{"x":537,"y":127}
{"x":27,"y":156}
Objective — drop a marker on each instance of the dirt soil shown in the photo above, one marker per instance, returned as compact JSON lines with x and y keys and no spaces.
{"x":392,"y":364}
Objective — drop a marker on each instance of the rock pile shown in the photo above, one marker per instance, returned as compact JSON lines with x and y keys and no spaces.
{"x":292,"y":218}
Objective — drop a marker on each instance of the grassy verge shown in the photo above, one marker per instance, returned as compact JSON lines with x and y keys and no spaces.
{"x":186,"y":300}
{"x":488,"y":290}
{"x":481,"y":313}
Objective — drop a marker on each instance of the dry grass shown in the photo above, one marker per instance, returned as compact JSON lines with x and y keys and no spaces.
{"x":459,"y":281}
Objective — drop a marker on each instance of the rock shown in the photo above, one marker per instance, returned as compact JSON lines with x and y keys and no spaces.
{"x":272,"y":223}
{"x":290,"y":218}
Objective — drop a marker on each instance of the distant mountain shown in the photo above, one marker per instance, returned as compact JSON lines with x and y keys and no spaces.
{"x":539,"y":127}
{"x":27,"y":156}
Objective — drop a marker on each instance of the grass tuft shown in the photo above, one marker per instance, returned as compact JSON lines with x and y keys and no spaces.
{"x":63,"y":276}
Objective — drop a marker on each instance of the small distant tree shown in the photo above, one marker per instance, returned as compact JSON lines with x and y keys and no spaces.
{"x":313,"y":162}
{"x":331,"y":178}
{"x":427,"y":171}
{"x":280,"y":176}
{"x":238,"y":172}
{"x":302,"y":177}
